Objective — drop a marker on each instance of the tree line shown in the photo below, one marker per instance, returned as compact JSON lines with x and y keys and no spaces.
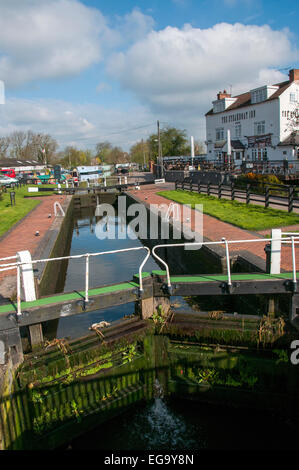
{"x":43,"y":148}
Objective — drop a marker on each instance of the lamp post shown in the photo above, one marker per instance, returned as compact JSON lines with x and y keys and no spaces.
{"x":160,"y":156}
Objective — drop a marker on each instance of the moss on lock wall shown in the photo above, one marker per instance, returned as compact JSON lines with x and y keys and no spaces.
{"x":60,"y":394}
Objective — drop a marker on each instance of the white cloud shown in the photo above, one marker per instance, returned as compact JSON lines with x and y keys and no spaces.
{"x":48,"y":39}
{"x":176,"y":69}
{"x":133,"y":26}
{"x":79,"y":125}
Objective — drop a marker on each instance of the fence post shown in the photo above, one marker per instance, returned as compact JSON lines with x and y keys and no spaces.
{"x":267,"y":197}
{"x":176,"y":184}
{"x":219,"y":190}
{"x":183,"y":185}
{"x":232,"y":191}
{"x":290,"y":198}
{"x":248,"y":194}
{"x":209,"y":188}
{"x":199,"y":188}
{"x":191,"y":185}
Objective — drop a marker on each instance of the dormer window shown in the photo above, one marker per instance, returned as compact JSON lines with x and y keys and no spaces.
{"x":258,"y":95}
{"x":224,"y":100}
{"x":262,"y":94}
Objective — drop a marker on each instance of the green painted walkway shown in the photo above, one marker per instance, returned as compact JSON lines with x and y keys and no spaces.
{"x":223,"y":277}
{"x":59,"y":299}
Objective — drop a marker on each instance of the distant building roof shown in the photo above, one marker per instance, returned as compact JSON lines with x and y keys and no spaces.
{"x":245,"y":98}
{"x":13,"y":163}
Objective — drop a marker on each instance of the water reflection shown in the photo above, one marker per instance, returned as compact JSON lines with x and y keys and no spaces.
{"x":103,"y":270}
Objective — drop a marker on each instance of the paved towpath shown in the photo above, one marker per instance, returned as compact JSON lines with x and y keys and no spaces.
{"x":22,"y":236}
{"x":214,"y":229}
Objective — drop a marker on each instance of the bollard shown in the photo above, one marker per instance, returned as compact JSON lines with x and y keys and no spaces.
{"x":248,"y":194}
{"x":12,"y":198}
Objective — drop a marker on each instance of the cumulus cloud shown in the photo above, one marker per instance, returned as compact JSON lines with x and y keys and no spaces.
{"x":133,"y":26}
{"x":173,"y":68}
{"x":48,"y":39}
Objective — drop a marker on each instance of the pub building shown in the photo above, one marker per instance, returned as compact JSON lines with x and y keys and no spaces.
{"x":257,"y":126}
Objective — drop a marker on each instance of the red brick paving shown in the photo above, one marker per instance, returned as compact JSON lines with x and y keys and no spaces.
{"x":22,"y":237}
{"x":214,"y":229}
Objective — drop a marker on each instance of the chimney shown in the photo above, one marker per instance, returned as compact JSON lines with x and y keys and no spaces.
{"x":223,"y":94}
{"x":294,"y":75}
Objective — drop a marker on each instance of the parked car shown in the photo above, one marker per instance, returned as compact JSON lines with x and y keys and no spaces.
{"x":7,"y":181}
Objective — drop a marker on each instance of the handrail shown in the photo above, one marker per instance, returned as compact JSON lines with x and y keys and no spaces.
{"x":87,"y":256}
{"x":226,"y":243}
{"x":9,"y":257}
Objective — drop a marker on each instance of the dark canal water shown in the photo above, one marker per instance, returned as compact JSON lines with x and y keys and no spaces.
{"x":173,"y":425}
{"x":104,"y":270}
{"x":163,"y":424}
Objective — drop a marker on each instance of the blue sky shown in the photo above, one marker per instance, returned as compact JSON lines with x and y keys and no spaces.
{"x":90,"y":70}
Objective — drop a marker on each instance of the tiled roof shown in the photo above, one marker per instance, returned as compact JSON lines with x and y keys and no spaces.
{"x":237,"y":144}
{"x":245,"y":98}
{"x":11,"y":162}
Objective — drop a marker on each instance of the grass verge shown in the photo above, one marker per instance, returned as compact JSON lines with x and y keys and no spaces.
{"x":248,"y":217}
{"x":10,"y":215}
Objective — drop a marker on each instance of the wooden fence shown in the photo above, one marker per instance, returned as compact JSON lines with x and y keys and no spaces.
{"x":280,"y":195}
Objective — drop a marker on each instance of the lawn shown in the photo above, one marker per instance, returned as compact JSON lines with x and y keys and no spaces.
{"x":248,"y":217}
{"x":10,"y":215}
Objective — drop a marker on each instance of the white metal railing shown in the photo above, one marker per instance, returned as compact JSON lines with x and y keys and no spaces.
{"x":17,"y":265}
{"x":225,"y":242}
{"x":87,"y":256}
{"x":278,"y":239}
{"x":8,"y":258}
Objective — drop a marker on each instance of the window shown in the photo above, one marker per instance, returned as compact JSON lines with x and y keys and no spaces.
{"x":218,"y":106}
{"x":254,"y":154}
{"x":292,"y":97}
{"x":238,"y":155}
{"x":259,"y":95}
{"x":220,"y":133}
{"x":259,"y":128}
{"x":238,"y":130}
{"x":265,"y":155}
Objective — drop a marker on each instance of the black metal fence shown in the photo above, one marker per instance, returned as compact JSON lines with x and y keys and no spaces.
{"x":278,"y":194}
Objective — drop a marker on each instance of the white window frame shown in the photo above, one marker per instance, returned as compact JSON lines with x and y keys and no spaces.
{"x":219,"y":133}
{"x":238,"y":130}
{"x":260,"y":128}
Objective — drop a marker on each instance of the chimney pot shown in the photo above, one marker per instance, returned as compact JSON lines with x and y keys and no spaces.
{"x":294,"y":75}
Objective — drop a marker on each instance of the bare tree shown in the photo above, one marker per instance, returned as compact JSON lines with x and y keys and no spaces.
{"x":17,"y":141}
{"x":4,"y":145}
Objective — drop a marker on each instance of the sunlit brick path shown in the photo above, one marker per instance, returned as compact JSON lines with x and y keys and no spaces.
{"x":215,"y":230}
{"x":22,"y":236}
